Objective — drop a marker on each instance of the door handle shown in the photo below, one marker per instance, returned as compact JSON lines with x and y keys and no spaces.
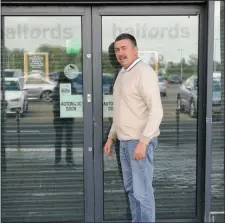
{"x":90,"y":149}
{"x":89,"y":98}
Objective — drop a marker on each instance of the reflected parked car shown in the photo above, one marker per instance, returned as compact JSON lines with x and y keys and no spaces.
{"x":39,"y":88}
{"x":17,"y":73}
{"x":217,"y":75}
{"x":54,"y":76}
{"x":175,"y":79}
{"x":216,"y":100}
{"x":36,"y":72}
{"x":162,"y":86}
{"x":107,"y":80}
{"x":16,"y":97}
{"x":189,"y":96}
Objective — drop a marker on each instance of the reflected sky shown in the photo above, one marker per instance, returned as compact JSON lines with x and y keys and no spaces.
{"x":165,"y":34}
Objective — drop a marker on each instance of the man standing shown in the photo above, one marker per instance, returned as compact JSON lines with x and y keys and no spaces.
{"x":137,"y":116}
{"x":61,"y":124}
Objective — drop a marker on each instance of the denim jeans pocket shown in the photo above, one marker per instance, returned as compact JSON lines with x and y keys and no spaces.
{"x":151,"y":148}
{"x":153,"y":145}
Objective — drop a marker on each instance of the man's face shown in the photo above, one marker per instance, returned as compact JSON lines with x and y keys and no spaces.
{"x":125,"y":52}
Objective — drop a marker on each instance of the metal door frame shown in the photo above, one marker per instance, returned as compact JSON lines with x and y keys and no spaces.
{"x":93,"y":111}
{"x":85,"y":13}
{"x":204,"y":135}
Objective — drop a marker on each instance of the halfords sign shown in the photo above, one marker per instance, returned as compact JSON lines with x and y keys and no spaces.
{"x":144,"y":31}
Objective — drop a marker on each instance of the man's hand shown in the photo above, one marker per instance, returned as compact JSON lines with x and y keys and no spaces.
{"x":140,"y":151}
{"x":108,"y":146}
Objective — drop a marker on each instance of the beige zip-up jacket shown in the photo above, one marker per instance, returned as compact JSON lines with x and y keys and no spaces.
{"x":137,"y":106}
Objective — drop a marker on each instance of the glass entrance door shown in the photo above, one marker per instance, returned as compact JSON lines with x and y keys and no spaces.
{"x":47,"y":124}
{"x":168,"y":40}
{"x":47,"y":132}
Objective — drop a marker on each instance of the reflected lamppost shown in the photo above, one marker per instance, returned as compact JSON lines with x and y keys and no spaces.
{"x":181,"y":63}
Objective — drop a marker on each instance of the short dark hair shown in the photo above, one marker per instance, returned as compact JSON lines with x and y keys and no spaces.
{"x":126,"y":36}
{"x":112,"y":57}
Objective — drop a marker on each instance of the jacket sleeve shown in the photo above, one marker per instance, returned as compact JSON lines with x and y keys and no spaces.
{"x":112,"y":133}
{"x":149,"y":89}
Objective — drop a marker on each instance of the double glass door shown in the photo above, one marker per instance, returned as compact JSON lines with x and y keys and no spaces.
{"x":44,"y":44}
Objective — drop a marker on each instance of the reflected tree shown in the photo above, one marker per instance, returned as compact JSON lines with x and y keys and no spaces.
{"x":161,"y":63}
{"x":59,"y":58}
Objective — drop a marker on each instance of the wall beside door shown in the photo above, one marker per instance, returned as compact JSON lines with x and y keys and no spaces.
{"x":217,"y":202}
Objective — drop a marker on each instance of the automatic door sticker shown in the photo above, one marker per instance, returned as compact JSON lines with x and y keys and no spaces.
{"x":71,"y":71}
{"x":71,"y":106}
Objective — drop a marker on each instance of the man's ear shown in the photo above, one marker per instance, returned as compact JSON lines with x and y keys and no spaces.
{"x":136,"y":50}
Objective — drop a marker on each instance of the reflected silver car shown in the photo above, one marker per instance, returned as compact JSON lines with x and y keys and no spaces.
{"x":39,"y":88}
{"x":189,"y":97}
{"x":162,"y":86}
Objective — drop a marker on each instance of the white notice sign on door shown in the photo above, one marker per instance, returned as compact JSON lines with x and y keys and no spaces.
{"x":107,"y":106}
{"x":71,"y":106}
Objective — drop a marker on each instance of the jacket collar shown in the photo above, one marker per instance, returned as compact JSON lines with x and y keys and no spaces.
{"x":132,"y":65}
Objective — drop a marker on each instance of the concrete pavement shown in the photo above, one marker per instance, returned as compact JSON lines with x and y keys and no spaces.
{"x":42,"y":134}
{"x":34,"y":190}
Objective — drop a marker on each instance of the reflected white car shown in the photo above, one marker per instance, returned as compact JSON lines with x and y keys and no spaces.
{"x":10,"y":73}
{"x":16,"y":98}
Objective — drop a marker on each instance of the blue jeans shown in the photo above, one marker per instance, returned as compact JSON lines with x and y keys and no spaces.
{"x":138,"y":177}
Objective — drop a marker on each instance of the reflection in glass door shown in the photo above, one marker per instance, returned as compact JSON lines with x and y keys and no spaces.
{"x":175,"y":166}
{"x":43,"y":71}
{"x":170,"y":45}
